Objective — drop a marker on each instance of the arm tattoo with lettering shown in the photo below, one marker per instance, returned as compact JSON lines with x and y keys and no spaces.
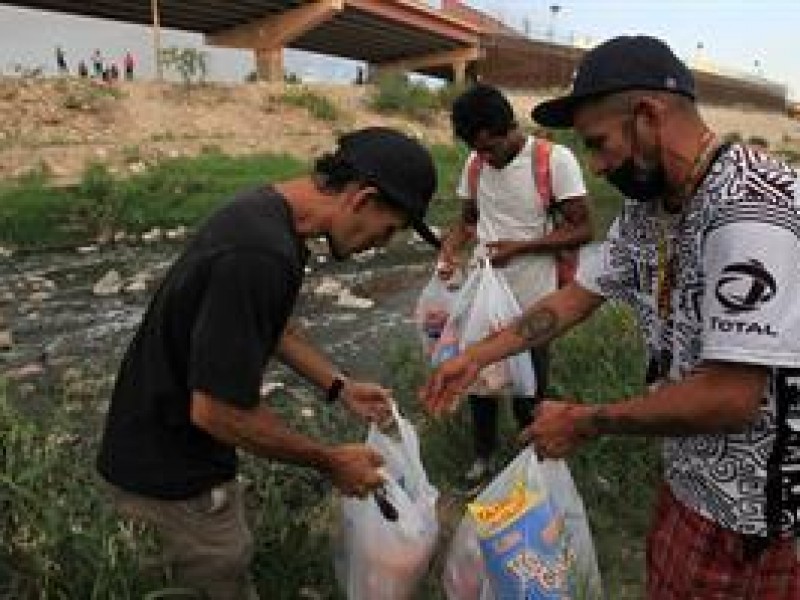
{"x":538,"y":327}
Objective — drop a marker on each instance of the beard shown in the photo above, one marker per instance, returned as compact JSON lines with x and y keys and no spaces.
{"x":336,"y":252}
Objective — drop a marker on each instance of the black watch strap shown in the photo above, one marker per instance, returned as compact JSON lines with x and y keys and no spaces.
{"x":335,"y":389}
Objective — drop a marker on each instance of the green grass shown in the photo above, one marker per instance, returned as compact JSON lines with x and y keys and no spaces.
{"x":35,"y":214}
{"x":61,"y":539}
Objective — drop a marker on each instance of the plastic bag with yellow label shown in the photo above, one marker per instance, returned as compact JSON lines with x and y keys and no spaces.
{"x":533,"y":536}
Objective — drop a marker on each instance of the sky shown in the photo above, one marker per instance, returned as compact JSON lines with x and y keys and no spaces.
{"x":754,"y":37}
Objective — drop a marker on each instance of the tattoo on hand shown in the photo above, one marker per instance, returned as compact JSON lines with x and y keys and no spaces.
{"x":538,"y":327}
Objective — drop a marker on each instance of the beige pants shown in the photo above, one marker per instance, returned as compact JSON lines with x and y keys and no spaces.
{"x":206,"y":544}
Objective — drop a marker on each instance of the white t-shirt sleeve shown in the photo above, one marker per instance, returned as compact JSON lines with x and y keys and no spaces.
{"x":566,"y":175}
{"x":462,"y":189}
{"x":751,"y":312}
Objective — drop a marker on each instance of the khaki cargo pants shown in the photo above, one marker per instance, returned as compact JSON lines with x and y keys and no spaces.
{"x":206,"y":544}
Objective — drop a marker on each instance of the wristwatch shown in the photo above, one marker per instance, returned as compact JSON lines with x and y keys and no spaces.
{"x":335,"y":389}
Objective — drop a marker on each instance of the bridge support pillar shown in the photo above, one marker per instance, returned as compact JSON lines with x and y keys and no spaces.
{"x":269,"y":64}
{"x":460,"y":72}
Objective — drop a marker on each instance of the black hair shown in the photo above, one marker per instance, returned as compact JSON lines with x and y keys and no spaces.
{"x":332,"y":173}
{"x":482,"y":107}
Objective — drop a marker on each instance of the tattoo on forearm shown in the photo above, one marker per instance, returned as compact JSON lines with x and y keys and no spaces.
{"x":537,"y":327}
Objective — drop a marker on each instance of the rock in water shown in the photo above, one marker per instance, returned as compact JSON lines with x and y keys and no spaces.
{"x":109,"y":285}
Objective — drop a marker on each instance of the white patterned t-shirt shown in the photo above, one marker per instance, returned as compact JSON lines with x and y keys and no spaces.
{"x":735,"y":298}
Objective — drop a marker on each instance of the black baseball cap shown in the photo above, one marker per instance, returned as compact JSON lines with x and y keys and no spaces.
{"x":622,"y":63}
{"x":400,"y":167}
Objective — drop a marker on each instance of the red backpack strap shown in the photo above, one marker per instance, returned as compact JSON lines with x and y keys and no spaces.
{"x":473,"y":175}
{"x":566,"y":260}
{"x":542,"y":150}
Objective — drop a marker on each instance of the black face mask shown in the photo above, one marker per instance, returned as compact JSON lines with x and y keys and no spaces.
{"x":639,"y":183}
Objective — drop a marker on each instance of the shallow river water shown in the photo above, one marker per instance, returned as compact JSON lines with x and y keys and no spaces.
{"x":60,"y":326}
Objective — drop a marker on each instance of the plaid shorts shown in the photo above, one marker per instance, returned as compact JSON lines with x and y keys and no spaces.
{"x":692,"y":558}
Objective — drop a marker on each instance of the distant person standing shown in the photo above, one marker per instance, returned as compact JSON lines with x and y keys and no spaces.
{"x":97,"y":64}
{"x":113,"y":72}
{"x":61,"y":61}
{"x":83,"y":70}
{"x":129,"y":63}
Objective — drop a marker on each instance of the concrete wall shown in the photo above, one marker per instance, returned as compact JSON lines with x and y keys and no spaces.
{"x":520,"y":63}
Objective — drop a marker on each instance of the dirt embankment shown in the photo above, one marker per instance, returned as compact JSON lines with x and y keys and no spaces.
{"x":65,"y":123}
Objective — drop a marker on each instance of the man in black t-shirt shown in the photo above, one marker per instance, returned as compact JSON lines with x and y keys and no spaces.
{"x":187,"y":393}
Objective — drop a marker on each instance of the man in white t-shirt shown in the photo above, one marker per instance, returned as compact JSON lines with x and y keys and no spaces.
{"x":520,"y":226}
{"x":706,"y":252}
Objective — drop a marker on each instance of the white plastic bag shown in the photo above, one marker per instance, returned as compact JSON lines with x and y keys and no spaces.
{"x":451,"y":340}
{"x":493,"y":308}
{"x":433,"y":311}
{"x":530,"y":531}
{"x":381,"y":559}
{"x":464,"y":576}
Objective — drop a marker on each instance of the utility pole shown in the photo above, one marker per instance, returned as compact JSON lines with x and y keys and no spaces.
{"x":157,"y":39}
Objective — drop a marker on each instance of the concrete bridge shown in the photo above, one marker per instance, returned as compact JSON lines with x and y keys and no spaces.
{"x":387,"y":34}
{"x":457,"y":42}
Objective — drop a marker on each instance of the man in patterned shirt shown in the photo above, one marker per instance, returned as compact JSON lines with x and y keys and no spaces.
{"x":705,"y":250}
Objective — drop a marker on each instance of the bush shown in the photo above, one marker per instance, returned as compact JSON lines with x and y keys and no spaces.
{"x":292,"y":78}
{"x":88,"y":96}
{"x":317,"y":105}
{"x":790,"y":156}
{"x":99,"y":203}
{"x":32,"y":213}
{"x":733,"y":137}
{"x":190,"y":64}
{"x":447,"y":94}
{"x":395,"y":93}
